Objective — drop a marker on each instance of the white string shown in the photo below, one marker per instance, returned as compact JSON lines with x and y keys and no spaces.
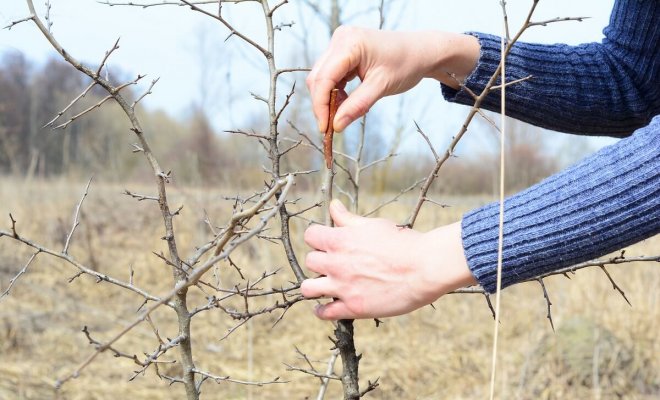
{"x":501,"y":215}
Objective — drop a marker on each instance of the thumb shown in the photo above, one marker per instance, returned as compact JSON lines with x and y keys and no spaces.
{"x":357,"y":104}
{"x":342,"y":216}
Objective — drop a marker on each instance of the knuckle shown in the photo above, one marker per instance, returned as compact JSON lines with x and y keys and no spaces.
{"x":333,"y":242}
{"x":305,"y":288}
{"x":311,"y":261}
{"x":344,"y":30}
{"x":360,"y":107}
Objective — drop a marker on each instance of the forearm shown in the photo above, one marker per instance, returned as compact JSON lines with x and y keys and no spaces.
{"x":607,"y":88}
{"x":604,"y":203}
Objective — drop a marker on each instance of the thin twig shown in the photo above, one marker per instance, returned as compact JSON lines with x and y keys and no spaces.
{"x":83,"y":269}
{"x":21,"y":272}
{"x":328,"y":372}
{"x":220,"y":379}
{"x":83,"y":112}
{"x":428,"y":141}
{"x":74,"y":101}
{"x":14,"y":23}
{"x":76,"y":218}
{"x":233,"y":31}
{"x":145,"y":94}
{"x":106,"y":56}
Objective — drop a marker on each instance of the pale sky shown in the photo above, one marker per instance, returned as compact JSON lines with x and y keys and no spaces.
{"x":180,"y":46}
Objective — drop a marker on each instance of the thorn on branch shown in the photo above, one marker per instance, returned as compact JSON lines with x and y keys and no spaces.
{"x":279,"y":27}
{"x":177,"y":211}
{"x":139,"y":197}
{"x":229,"y":36}
{"x":165,"y":176}
{"x":87,"y":334}
{"x":614,"y":285}
{"x":621,"y":256}
{"x":547,"y":300}
{"x":258,"y":97}
{"x":136,"y":147}
{"x":490,"y":304}
{"x":236,"y":267}
{"x":13,"y":227}
{"x":167,"y":261}
{"x":370,"y":387}
{"x":73,"y":278}
{"x":144,"y":303}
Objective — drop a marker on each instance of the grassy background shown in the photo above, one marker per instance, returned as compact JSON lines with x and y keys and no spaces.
{"x":603,"y":348}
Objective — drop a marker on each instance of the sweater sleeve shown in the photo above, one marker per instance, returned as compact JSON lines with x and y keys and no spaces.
{"x":602,"y":204}
{"x":608,"y":88}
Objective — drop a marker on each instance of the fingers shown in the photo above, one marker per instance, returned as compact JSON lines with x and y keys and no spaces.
{"x":358,"y":103}
{"x":342,"y":216}
{"x":317,"y":287}
{"x":325,"y":238}
{"x":337,"y":66}
{"x":333,"y":311}
{"x":320,"y":262}
{"x":351,"y":107}
{"x":330,"y":71}
{"x":322,"y":237}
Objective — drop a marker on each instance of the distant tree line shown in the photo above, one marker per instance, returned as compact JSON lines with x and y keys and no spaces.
{"x":100,"y":142}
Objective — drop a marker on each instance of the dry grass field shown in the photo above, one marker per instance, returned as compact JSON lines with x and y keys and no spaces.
{"x":602,"y":347}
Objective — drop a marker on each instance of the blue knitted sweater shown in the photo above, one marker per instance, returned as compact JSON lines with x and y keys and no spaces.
{"x":607,"y":201}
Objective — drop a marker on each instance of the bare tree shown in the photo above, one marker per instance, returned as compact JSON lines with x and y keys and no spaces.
{"x":266,"y":214}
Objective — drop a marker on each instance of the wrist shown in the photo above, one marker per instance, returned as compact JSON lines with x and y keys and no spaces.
{"x":446,"y":265}
{"x":455,"y":56}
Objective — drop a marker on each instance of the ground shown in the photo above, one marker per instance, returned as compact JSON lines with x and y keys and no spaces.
{"x":603,"y":348}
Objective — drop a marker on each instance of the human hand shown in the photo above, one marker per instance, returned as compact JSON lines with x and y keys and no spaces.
{"x":374,"y":268}
{"x":387,"y":63}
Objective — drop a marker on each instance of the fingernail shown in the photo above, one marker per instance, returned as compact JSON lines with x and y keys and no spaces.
{"x":317,"y":310}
